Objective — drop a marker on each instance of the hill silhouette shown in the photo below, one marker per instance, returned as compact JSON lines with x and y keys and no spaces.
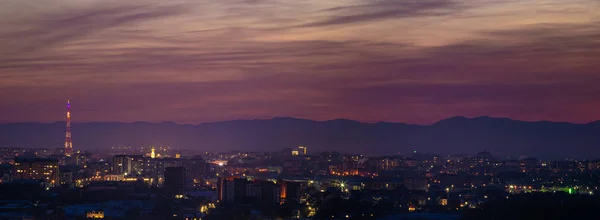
{"x":456,"y":135}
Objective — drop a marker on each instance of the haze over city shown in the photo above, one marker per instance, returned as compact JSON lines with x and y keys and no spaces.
{"x":199,"y":61}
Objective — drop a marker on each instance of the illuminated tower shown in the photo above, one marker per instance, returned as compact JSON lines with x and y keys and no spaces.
{"x":68,"y":143}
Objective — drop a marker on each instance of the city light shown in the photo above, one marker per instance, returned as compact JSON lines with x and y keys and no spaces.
{"x":95,"y":214}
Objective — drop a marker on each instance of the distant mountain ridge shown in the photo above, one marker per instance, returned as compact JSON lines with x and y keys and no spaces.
{"x":458,"y":135}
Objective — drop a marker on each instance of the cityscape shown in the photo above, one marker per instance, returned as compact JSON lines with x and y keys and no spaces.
{"x":163,"y":182}
{"x":299,"y":109}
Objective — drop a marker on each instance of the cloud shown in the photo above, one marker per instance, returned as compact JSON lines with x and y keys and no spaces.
{"x":380,"y":10}
{"x":243,"y":59}
{"x":535,"y":48}
{"x":54,"y":29}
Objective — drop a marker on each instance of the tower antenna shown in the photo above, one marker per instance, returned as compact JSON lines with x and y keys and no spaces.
{"x":68,"y":143}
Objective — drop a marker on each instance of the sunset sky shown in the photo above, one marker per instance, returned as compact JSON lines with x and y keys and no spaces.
{"x":193,"y":61}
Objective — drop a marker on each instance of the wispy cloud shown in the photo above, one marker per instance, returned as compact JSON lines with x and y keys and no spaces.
{"x":414,"y":61}
{"x":381,"y":10}
{"x":52,"y":30}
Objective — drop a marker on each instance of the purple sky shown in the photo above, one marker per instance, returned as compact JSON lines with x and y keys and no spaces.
{"x":192,"y":61}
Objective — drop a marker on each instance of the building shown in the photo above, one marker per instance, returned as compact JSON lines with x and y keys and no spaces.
{"x":240,"y":191}
{"x":138,"y":165}
{"x":229,"y":192}
{"x":121,"y":164}
{"x":220,"y":189}
{"x":416,"y":183}
{"x":331,"y":157}
{"x":265,"y":192}
{"x":196,"y":169}
{"x":81,"y":159}
{"x":6,"y":173}
{"x":43,"y":169}
{"x":253,"y":189}
{"x":269,"y":193}
{"x":292,"y":191}
{"x":302,"y":150}
{"x":97,"y":170}
{"x":383,"y":164}
{"x":291,"y":165}
{"x":174,"y":181}
{"x":349,"y":166}
{"x":68,"y":175}
{"x":129,"y":165}
{"x":154,"y":168}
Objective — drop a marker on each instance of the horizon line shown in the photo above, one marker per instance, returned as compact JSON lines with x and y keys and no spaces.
{"x":314,"y":120}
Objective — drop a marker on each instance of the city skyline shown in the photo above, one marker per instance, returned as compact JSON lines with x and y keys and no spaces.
{"x":399,"y":61}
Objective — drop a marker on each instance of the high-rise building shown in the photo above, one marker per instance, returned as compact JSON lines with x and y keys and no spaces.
{"x":81,"y":159}
{"x":121,"y":164}
{"x":292,"y":191}
{"x":138,"y":165}
{"x":232,"y":190}
{"x":228,"y":192}
{"x":220,"y":189}
{"x":68,"y":142}
{"x":42,"y":169}
{"x":174,"y":181}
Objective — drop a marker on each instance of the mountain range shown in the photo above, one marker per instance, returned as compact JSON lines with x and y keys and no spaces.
{"x":457,"y":135}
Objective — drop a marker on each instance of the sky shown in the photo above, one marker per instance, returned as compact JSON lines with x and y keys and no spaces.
{"x":193,"y":61}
